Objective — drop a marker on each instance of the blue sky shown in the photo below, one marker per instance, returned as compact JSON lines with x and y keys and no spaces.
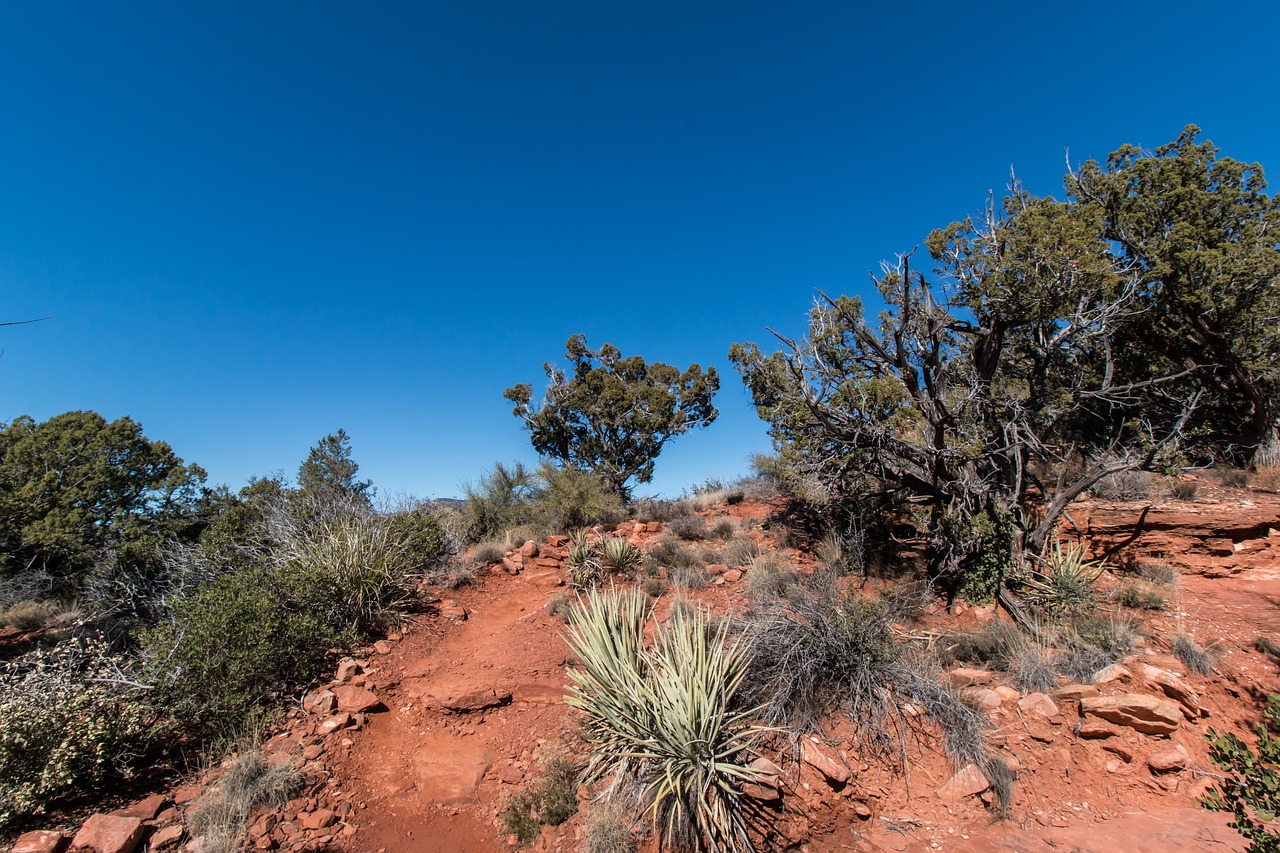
{"x":255,"y":223}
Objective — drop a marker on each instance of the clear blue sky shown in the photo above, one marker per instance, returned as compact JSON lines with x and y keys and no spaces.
{"x":254,"y":223}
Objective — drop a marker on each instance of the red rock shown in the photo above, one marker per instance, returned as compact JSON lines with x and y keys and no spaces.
{"x":453,"y":611}
{"x":966,"y":677}
{"x":318,"y":819}
{"x":334,"y":723}
{"x":767,"y":786}
{"x":382,"y":647}
{"x":320,"y":702}
{"x":1038,"y":704}
{"x":39,"y":841}
{"x":1006,"y":693}
{"x":1074,"y":692}
{"x":104,"y":833}
{"x":982,"y":698}
{"x":144,"y":809}
{"x":166,"y":837}
{"x":969,"y":782}
{"x":1114,"y":672}
{"x":732,"y":575}
{"x":833,"y":770}
{"x":556,"y":540}
{"x":1168,"y":760}
{"x":471,"y":700}
{"x":1140,"y":712}
{"x":529,"y":549}
{"x":511,"y":566}
{"x":1094,"y":730}
{"x":348,"y":668}
{"x":185,"y":794}
{"x":1119,"y":749}
{"x":355,"y":699}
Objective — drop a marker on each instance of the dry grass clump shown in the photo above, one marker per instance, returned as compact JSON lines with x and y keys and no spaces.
{"x":1266,"y":478}
{"x":1231,"y":478}
{"x":740,"y":551}
{"x":830,"y":648}
{"x":691,"y":528}
{"x":1183,"y":490}
{"x":770,"y":576}
{"x":1199,"y":659}
{"x":1138,"y":597}
{"x":36,"y":615}
{"x":1268,"y":646}
{"x":487,"y":553}
{"x":1127,"y":486}
{"x":724,"y":529}
{"x":1090,"y":643}
{"x":1032,"y":669}
{"x":1157,"y":572}
{"x":608,"y":829}
{"x":249,"y":781}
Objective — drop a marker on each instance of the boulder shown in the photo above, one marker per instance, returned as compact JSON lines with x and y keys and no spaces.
{"x":969,"y":782}
{"x":39,"y":841}
{"x":334,"y":723}
{"x":834,"y":771}
{"x":529,"y":549}
{"x":1179,"y":691}
{"x":104,"y":833}
{"x":354,"y":700}
{"x":511,"y":566}
{"x":1007,"y":693}
{"x":1147,"y":714}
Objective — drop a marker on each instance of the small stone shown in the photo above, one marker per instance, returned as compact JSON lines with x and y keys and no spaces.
{"x":318,"y":819}
{"x":167,"y":837}
{"x":145,"y":809}
{"x":1074,"y":692}
{"x":348,"y":668}
{"x":103,"y":833}
{"x":732,"y":575}
{"x":1038,"y":704}
{"x":39,"y":841}
{"x":833,"y":770}
{"x":966,"y":677}
{"x":185,"y":794}
{"x":1007,"y":693}
{"x":983,"y":699}
{"x":382,"y":647}
{"x":1114,"y":672}
{"x":862,"y":810}
{"x":968,"y":782}
{"x":1119,"y":749}
{"x":529,"y":549}
{"x":767,"y":786}
{"x":334,"y":723}
{"x":320,"y":702}
{"x":1168,"y":760}
{"x":453,"y":611}
{"x":1094,"y":730}
{"x":354,"y":699}
{"x":1113,"y":764}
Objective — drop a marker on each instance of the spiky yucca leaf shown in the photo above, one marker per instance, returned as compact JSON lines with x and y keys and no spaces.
{"x":663,"y":715}
{"x":619,"y":555}
{"x":1065,"y":582}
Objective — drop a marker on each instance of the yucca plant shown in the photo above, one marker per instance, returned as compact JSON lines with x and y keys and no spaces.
{"x":583,"y":560}
{"x":619,"y":555}
{"x":1065,"y":582}
{"x":662,"y":716}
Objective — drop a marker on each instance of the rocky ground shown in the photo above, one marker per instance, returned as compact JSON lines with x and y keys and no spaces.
{"x":419,"y":740}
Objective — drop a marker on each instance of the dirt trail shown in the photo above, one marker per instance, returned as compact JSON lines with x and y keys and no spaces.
{"x":465,"y":699}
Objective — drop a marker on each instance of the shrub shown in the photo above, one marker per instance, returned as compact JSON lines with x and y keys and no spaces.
{"x":244,"y":639}
{"x":1251,"y":788}
{"x":569,"y":499}
{"x":419,"y":533}
{"x":652,"y":509}
{"x":663,"y":716}
{"x":1126,"y":486}
{"x":1032,"y":668}
{"x":221,"y":815}
{"x":502,"y":499}
{"x":829,"y":648}
{"x":454,"y":574}
{"x":654,"y":588}
{"x":671,"y":553}
{"x":1268,"y":646}
{"x":619,"y":555}
{"x":548,"y":800}
{"x":1199,"y":659}
{"x":1064,"y":584}
{"x":688,"y":577}
{"x":1232,"y":478}
{"x":68,"y":726}
{"x":1137,"y":597}
{"x":690,"y":528}
{"x":724,"y":530}
{"x":993,"y":645}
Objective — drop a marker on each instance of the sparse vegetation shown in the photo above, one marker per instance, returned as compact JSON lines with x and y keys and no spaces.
{"x":1251,"y":788}
{"x":740,"y":551}
{"x":608,"y":830}
{"x":691,"y":528}
{"x":548,"y":800}
{"x":1183,"y":490}
{"x":1064,"y":582}
{"x":1157,"y":572}
{"x":32,"y":615}
{"x":770,"y":576}
{"x":1266,"y":478}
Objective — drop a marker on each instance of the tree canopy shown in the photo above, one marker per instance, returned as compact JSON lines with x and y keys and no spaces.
{"x":329,"y":473}
{"x":1073,"y":338}
{"x":613,"y":415}
{"x":75,"y":485}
